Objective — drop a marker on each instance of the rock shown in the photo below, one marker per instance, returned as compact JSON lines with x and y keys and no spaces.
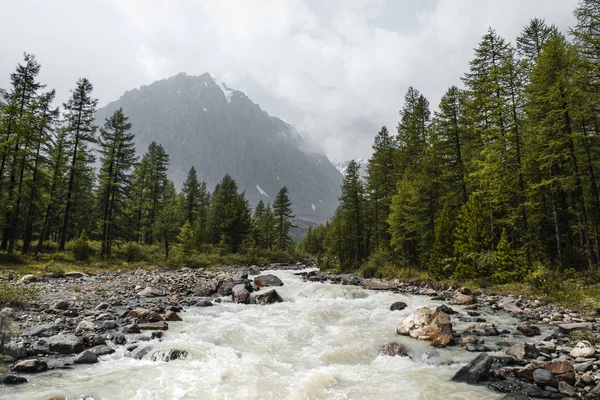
{"x":29,"y":278}
{"x":583,"y":367}
{"x":578,"y":326}
{"x":143,"y":315}
{"x":523,"y":351}
{"x":349,"y":279}
{"x":154,"y":326}
{"x":446,"y":309}
{"x":516,"y":396}
{"x":109,"y":325}
{"x":463,"y":300}
{"x":204,"y":303}
{"x":240,"y":295}
{"x":171,"y":355}
{"x":86,"y":357}
{"x":430,"y":292}
{"x":119,"y":338}
{"x":15,"y":350}
{"x":267,"y":280}
{"x":268,"y":297}
{"x":566,"y":389}
{"x":424,"y":324}
{"x":150,"y":292}
{"x":594,"y":393}
{"x":102,"y":350}
{"x":172,"y":316}
{"x":131,"y":329}
{"x":582,"y":351}
{"x":509,"y":304}
{"x":93,"y":339}
{"x":65,"y":344}
{"x":30,"y":366}
{"x":507,"y":386}
{"x":475,"y":371}
{"x":558,"y":367}
{"x":102,"y":306}
{"x":44,"y":330}
{"x":398,"y":306}
{"x":60,"y":305}
{"x":86,"y":326}
{"x":14,"y":380}
{"x":527,"y":329}
{"x":378,"y":284}
{"x":543,"y":378}
{"x":75,"y":274}
{"x":394,"y":349}
{"x":141,"y":352}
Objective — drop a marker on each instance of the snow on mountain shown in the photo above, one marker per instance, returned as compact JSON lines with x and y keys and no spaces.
{"x":363,"y":163}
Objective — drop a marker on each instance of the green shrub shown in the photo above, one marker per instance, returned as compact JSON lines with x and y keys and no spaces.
{"x":14,"y":295}
{"x":81,"y":248}
{"x":131,"y":252}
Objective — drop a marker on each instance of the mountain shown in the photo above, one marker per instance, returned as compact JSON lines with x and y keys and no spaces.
{"x":363,"y":163}
{"x":219,"y":130}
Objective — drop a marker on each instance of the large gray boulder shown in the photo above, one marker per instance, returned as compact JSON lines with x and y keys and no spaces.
{"x":64,"y":344}
{"x":476,"y":371}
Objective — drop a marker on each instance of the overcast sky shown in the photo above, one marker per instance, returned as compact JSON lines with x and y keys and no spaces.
{"x":336,"y":69}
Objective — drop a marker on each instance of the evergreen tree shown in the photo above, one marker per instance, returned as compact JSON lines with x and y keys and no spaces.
{"x":167,"y":222}
{"x":533,"y":37}
{"x":192,"y":192}
{"x":351,"y":218}
{"x":117,"y":157}
{"x":440,"y":260}
{"x":79,"y":114}
{"x":282,"y":208}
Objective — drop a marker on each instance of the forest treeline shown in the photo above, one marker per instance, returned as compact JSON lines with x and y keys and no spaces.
{"x":500,"y":181}
{"x":67,"y":183}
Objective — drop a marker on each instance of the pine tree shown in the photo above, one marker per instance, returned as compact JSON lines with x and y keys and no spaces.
{"x":117,"y":157}
{"x":351,"y":217}
{"x":533,"y":37}
{"x":187,"y":238}
{"x":440,"y":260}
{"x":79,"y":115}
{"x":192,"y":192}
{"x":282,"y":208}
{"x":167,"y":222}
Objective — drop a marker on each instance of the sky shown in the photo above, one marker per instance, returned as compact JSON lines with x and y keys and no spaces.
{"x":338,"y":70}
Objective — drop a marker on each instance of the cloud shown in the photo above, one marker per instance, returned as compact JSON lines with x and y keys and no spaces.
{"x":338,"y":70}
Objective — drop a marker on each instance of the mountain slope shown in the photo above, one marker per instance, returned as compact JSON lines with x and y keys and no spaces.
{"x":363,"y":163}
{"x":219,"y":130}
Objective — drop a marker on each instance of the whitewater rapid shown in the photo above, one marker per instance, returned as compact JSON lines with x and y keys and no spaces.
{"x":322,"y":342}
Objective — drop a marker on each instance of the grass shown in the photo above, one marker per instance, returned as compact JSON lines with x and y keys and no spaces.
{"x":13,"y":295}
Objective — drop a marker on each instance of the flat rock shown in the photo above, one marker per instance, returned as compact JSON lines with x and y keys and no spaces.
{"x":576,"y":326}
{"x":267,"y":280}
{"x":509,"y":303}
{"x":154,"y":326}
{"x":30,"y":366}
{"x":143,"y":315}
{"x":13,"y":380}
{"x":44,"y":330}
{"x":65,"y":344}
{"x":378,"y":284}
{"x":102,"y":350}
{"x":150,"y":292}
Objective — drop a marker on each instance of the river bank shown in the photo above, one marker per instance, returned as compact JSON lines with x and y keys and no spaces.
{"x":87,"y":318}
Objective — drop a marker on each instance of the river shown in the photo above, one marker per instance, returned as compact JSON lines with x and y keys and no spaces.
{"x":322,"y":342}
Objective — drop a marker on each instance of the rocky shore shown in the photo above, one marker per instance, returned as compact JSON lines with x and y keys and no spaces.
{"x":81,"y":318}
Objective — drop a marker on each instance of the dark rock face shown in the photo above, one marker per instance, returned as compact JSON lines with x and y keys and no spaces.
{"x":268,"y":297}
{"x":398,"y":306}
{"x":30,"y":366}
{"x":476,"y":371}
{"x":14,"y":380}
{"x":267,"y":280}
{"x":394,"y":349}
{"x":445,"y":309}
{"x":219,"y":130}
{"x":65,"y":344}
{"x":544,"y":378}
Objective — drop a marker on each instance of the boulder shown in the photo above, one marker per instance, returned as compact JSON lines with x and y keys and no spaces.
{"x":172,"y":316}
{"x":430,"y":292}
{"x":424,"y":324}
{"x":75,"y":274}
{"x":463,"y":299}
{"x":506,"y":386}
{"x":60,"y":305}
{"x":65,"y":344}
{"x":143,"y":315}
{"x":102,"y":350}
{"x":509,"y":303}
{"x":204,"y":303}
{"x":131,"y":329}
{"x":398,"y":306}
{"x":267,"y":280}
{"x":527,"y":329}
{"x":475,"y":371}
{"x":86,"y":357}
{"x":171,"y":355}
{"x":567,"y":389}
{"x":93,"y":339}
{"x":29,"y":278}
{"x":394,"y":349}
{"x":523,"y":351}
{"x":378,"y":284}
{"x":13,"y":380}
{"x":516,"y":396}
{"x":543,"y":378}
{"x":44,"y":330}
{"x":150,"y":292}
{"x":118,"y":338}
{"x":268,"y":297}
{"x":30,"y":366}
{"x":446,"y":309}
{"x":240,"y":295}
{"x":154,"y":326}
{"x":349,"y":279}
